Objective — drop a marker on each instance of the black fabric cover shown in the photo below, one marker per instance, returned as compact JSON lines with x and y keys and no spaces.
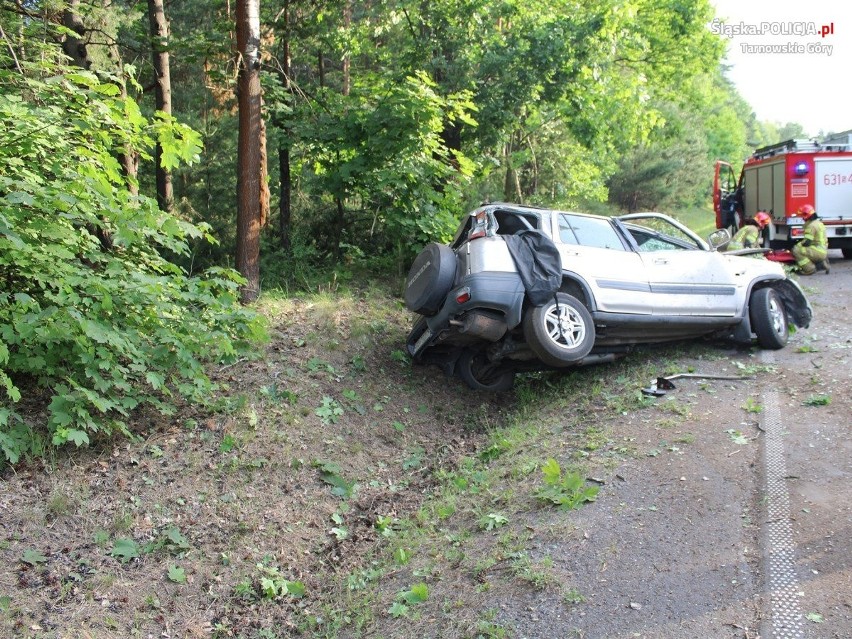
{"x":538,"y":262}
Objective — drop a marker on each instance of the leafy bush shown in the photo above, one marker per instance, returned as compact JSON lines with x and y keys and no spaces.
{"x":94,"y":321}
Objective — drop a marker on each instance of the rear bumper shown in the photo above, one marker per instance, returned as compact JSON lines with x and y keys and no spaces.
{"x":499,"y":293}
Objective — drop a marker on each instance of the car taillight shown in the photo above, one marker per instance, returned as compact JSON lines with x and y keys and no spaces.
{"x":796,"y":231}
{"x":463,"y":296}
{"x":480,"y":224}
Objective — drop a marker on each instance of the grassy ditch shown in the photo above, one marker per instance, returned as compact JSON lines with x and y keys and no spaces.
{"x":332,"y":490}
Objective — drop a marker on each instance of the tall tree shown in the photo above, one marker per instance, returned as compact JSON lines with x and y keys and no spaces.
{"x":284,"y":176}
{"x":74,"y":46}
{"x":163,"y":93}
{"x":252,"y":196}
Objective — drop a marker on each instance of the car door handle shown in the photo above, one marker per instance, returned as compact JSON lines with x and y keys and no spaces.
{"x":660,"y":260}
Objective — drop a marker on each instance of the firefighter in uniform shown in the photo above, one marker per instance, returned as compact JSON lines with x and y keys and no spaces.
{"x":811,"y":252}
{"x":749,"y":235}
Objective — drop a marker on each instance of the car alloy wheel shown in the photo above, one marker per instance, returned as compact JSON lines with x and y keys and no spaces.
{"x":560,"y":332}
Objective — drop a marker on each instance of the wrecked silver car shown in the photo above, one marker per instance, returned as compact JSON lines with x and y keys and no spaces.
{"x":523,"y":288}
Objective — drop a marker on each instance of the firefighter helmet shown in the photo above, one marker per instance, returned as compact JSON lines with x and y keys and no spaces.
{"x":762,"y":218}
{"x":806,"y":211}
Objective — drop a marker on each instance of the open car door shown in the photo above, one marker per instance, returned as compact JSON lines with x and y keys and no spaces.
{"x":726,"y":198}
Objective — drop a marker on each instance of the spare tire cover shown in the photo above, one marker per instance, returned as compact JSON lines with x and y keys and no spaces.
{"x":430,"y":279}
{"x":538,"y":262}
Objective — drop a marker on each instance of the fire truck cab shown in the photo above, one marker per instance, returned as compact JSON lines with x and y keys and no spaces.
{"x":779,"y":179}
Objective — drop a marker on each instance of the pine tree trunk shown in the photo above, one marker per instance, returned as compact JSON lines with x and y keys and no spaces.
{"x":162,"y":92}
{"x":249,"y":155}
{"x":284,"y":178}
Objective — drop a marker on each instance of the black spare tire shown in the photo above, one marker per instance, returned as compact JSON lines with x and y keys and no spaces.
{"x":430,"y":279}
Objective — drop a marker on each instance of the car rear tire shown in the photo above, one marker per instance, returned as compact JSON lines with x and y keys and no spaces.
{"x":560,"y":332}
{"x":847,"y":253}
{"x":430,"y":278}
{"x":478,"y":372}
{"x":768,"y":318}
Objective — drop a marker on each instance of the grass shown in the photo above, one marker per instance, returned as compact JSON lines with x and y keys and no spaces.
{"x":701,"y":220}
{"x":489,"y":493}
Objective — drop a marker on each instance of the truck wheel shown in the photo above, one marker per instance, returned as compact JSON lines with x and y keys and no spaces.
{"x":768,"y":318}
{"x":560,"y":332}
{"x":478,"y":372}
{"x":430,"y":279}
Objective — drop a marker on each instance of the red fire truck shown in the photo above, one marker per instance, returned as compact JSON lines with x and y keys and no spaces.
{"x":781,"y":178}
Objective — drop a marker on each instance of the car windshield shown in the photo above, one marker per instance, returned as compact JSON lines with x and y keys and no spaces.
{"x":588,"y":231}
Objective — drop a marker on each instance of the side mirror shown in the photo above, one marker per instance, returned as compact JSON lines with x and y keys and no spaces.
{"x":719,"y":239}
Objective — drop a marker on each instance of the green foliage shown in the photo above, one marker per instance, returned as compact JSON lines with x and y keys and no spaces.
{"x":273,"y":584}
{"x":330,"y":473}
{"x":737,"y":437}
{"x":33,"y":557}
{"x":492,"y":521}
{"x":379,"y":155}
{"x":94,"y":321}
{"x":171,"y":541}
{"x":567,"y":490}
{"x":418,"y":593}
{"x":752,"y":406}
{"x":176,"y":574}
{"x":329,"y":411}
{"x":125,"y":549}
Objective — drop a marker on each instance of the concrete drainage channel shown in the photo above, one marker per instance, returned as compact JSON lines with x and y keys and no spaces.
{"x":785,"y":621}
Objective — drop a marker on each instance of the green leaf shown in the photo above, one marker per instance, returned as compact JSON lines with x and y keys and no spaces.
{"x":79,"y":437}
{"x":155,"y":379}
{"x":20,"y":198}
{"x":268,"y":587}
{"x":401,"y":556}
{"x":398,"y":610}
{"x":177,"y":574}
{"x":124,"y":550}
{"x":417,"y":594}
{"x":737,"y":437}
{"x":33,"y":557}
{"x":296,"y":589}
{"x":814,"y":617}
{"x":176,"y":539}
{"x":551,"y":471}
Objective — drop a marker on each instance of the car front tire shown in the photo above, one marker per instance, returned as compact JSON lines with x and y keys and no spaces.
{"x":768,"y":318}
{"x":560,"y":332}
{"x":477,"y":371}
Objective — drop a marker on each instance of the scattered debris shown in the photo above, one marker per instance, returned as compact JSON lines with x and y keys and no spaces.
{"x":659,"y":386}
